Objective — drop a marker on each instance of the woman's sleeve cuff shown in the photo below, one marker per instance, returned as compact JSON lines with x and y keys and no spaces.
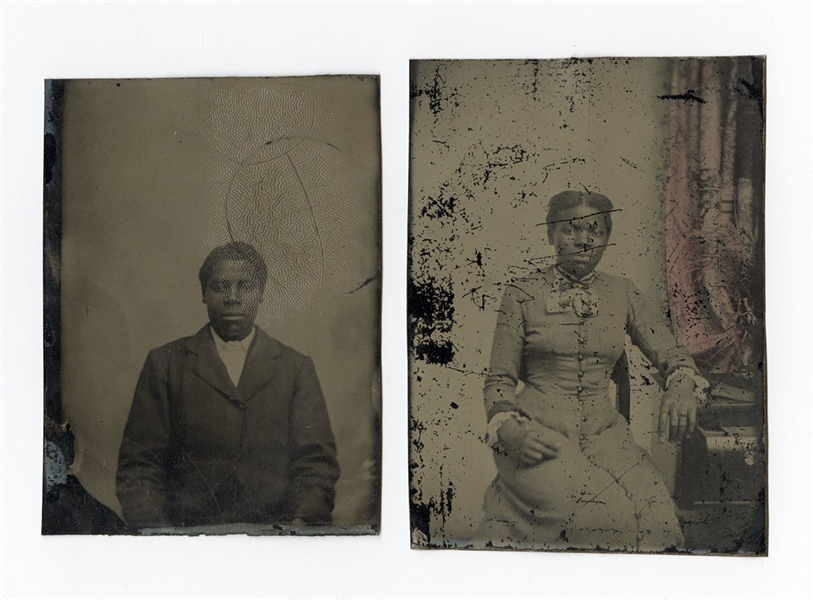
{"x":701,"y":385}
{"x":497,"y":421}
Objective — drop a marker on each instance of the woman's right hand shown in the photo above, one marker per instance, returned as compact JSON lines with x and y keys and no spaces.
{"x":530,"y":443}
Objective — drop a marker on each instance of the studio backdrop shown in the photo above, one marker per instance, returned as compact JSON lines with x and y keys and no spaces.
{"x":143,"y":179}
{"x":677,"y":145}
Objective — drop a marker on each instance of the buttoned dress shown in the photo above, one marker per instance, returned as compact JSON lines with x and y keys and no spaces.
{"x":561,"y":339}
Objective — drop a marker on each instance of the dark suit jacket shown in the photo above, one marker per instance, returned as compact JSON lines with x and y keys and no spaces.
{"x":198,"y":450}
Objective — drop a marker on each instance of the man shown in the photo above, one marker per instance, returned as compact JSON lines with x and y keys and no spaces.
{"x":228,"y":425}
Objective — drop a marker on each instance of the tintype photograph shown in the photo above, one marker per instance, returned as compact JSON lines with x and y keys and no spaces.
{"x":586,"y":305}
{"x":212,"y":306}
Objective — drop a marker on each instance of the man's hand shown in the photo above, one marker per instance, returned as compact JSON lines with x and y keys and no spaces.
{"x":531,"y":443}
{"x":678,"y":413}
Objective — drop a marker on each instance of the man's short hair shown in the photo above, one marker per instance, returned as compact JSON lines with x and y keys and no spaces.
{"x":233,"y":251}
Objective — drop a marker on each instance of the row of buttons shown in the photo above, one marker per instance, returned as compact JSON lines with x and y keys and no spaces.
{"x":580,"y":387}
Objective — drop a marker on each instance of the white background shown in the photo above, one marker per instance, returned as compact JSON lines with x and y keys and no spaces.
{"x":62,"y":40}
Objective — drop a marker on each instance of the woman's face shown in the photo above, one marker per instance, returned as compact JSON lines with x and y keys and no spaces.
{"x":580,"y":236}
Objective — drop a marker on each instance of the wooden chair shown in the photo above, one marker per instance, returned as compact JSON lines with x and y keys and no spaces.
{"x":621,"y":378}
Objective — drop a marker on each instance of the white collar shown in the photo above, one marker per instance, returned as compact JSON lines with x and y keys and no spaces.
{"x":243,"y":344}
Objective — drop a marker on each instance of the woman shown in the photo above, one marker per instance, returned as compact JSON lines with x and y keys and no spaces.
{"x":569,"y":473}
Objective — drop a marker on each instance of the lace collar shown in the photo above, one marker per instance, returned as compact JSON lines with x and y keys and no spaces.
{"x":570,"y":293}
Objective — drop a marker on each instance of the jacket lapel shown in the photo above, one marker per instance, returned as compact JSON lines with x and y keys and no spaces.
{"x":208,"y":365}
{"x":261,"y":364}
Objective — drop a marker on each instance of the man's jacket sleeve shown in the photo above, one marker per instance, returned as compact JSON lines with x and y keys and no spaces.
{"x":140,"y":481}
{"x":314,"y":468}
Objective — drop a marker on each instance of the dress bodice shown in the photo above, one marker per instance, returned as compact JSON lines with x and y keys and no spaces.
{"x":567,"y":357}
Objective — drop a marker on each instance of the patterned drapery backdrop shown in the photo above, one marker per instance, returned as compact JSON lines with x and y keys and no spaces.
{"x":714,"y":200}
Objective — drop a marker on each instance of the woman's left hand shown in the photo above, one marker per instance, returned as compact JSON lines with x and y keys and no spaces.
{"x":678,"y":411}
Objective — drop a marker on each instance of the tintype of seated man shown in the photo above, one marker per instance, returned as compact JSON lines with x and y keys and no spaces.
{"x":228,"y":425}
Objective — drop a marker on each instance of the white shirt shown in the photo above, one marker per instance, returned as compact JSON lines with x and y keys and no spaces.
{"x":233,"y":354}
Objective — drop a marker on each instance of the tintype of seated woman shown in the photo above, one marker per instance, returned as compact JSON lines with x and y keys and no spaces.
{"x":570,"y":475}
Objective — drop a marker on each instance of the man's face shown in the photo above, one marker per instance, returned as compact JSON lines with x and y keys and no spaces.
{"x":580,"y":237}
{"x":232,"y":297}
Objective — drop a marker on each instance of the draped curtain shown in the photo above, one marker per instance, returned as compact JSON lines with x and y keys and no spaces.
{"x":714,"y":208}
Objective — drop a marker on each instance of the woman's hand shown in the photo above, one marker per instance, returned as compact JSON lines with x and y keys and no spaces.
{"x":531,"y":443}
{"x":678,"y":410}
